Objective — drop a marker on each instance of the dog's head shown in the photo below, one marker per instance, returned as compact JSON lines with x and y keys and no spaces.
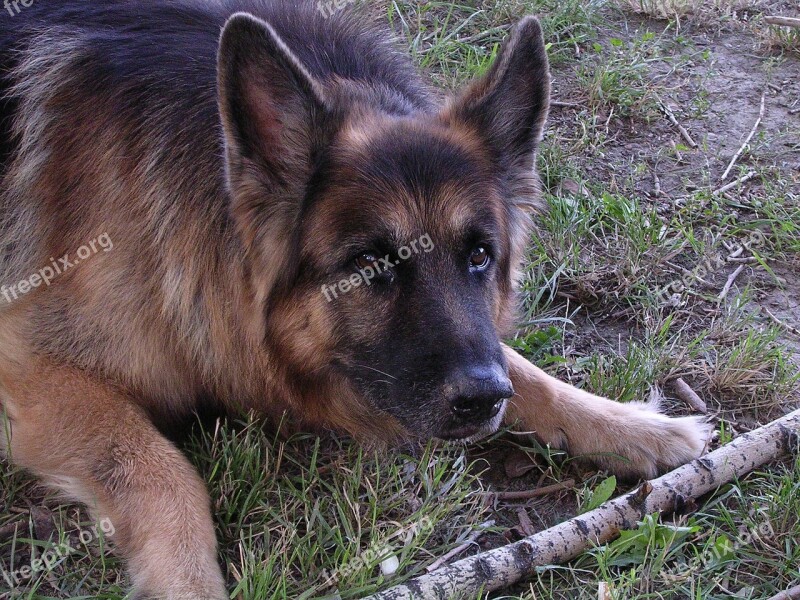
{"x":384,"y":244}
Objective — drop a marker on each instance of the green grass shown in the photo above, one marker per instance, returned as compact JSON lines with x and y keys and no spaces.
{"x":309,"y":517}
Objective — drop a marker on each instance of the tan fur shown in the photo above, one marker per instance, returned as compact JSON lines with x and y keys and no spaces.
{"x":628,"y":439}
{"x":94,"y":442}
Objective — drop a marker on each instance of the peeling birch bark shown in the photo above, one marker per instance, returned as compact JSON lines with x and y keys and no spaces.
{"x":502,"y":567}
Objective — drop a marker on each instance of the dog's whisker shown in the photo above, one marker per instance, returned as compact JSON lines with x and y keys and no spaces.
{"x":376,"y":370}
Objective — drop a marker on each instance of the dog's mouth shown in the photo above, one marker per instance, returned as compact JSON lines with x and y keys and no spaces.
{"x":473,"y":432}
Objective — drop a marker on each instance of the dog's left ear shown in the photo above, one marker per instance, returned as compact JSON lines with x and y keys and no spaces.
{"x":508,"y":106}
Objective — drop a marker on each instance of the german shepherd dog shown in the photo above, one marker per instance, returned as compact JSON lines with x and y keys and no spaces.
{"x":261,"y":206}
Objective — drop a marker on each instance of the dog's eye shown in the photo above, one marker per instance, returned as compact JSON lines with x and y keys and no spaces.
{"x":479,"y":259}
{"x":366,"y":260}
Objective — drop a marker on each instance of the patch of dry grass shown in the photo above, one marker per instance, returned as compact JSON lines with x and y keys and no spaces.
{"x":670,"y":9}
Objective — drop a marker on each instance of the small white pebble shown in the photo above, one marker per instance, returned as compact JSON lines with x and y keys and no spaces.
{"x":390,"y":565}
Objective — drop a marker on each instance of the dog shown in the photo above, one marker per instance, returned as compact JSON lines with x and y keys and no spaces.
{"x":262,"y":206}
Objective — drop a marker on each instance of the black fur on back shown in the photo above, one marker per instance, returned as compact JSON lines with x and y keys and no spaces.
{"x":163,"y":53}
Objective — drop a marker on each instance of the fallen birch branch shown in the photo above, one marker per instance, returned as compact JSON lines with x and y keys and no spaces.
{"x":502,"y":567}
{"x":784,"y":21}
{"x":792,"y":594}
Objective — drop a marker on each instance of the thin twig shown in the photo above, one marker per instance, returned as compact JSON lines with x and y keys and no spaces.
{"x":671,"y":116}
{"x":747,"y":139}
{"x":736,"y":253}
{"x":473,"y":537}
{"x":656,"y":185}
{"x":688,"y":395}
{"x":729,"y":283}
{"x":560,"y":104}
{"x":535,"y":492}
{"x":783,"y":324}
{"x":728,"y":186}
{"x":791,"y":594}
{"x":784,"y":21}
{"x":483,"y":34}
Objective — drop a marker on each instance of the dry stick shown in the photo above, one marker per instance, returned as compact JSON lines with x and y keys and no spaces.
{"x":473,"y":537}
{"x":727,"y":288}
{"x":786,"y":326}
{"x":671,"y":116}
{"x":656,"y":184}
{"x":502,"y":567}
{"x":736,"y":253}
{"x":688,"y":395}
{"x":791,"y":594}
{"x":485,"y":33}
{"x":747,"y":139}
{"x":728,"y":186}
{"x":785,"y":21}
{"x":534,"y":493}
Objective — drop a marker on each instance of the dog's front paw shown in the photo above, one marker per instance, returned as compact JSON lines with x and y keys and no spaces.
{"x":642,"y":442}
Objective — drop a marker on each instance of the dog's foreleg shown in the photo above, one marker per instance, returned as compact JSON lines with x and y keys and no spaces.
{"x":93,"y":442}
{"x":631,"y":439}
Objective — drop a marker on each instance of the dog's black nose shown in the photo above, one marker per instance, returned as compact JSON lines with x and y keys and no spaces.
{"x":479,"y":392}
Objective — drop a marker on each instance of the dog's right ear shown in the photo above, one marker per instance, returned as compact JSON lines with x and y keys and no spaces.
{"x":274,"y":118}
{"x":269,"y":103}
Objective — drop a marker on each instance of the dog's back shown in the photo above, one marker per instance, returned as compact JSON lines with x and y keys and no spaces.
{"x":137,"y":50}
